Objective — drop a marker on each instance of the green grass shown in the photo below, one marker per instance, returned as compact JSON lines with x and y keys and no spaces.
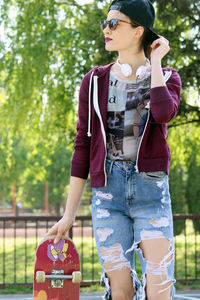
{"x":16,"y":290}
{"x":90,"y":257}
{"x":187,"y":263}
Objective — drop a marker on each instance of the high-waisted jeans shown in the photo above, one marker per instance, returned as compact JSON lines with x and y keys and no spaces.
{"x":133,"y":207}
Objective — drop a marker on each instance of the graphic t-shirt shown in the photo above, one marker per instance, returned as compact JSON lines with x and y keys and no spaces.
{"x":126,"y":116}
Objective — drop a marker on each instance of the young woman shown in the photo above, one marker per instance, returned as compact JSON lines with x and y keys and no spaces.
{"x":124,"y":108}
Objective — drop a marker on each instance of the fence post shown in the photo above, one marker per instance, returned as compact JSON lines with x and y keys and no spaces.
{"x":46,"y":200}
{"x":14,"y":200}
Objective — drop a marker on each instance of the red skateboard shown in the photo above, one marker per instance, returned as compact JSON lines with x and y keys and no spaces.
{"x":57,"y":273}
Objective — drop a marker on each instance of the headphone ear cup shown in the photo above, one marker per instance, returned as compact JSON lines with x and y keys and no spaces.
{"x":126,"y":70}
{"x":142,"y":71}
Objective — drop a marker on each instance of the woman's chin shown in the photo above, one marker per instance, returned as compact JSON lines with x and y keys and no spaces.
{"x":110,"y":48}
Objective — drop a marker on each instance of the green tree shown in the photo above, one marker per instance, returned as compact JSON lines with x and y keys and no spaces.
{"x":47,"y":47}
{"x":193,"y":188}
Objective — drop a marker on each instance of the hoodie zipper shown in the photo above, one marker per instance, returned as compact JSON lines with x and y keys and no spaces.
{"x":96,"y":107}
{"x":136,"y":165}
{"x":166,"y":77}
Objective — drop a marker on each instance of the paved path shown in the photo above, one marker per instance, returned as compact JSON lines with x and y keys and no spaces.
{"x":180,"y":295}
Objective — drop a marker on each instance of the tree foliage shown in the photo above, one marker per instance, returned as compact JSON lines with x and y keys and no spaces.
{"x":46,"y":48}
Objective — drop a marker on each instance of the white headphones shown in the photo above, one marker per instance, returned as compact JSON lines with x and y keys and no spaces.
{"x":126,"y":69}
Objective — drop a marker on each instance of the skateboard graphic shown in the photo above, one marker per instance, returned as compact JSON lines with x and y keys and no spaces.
{"x":57,"y":273}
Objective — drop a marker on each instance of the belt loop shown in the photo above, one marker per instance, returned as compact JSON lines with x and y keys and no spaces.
{"x":110,"y":170}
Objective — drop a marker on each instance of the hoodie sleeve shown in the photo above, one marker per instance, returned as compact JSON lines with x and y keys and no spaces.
{"x":164,"y":100}
{"x":81,"y":156}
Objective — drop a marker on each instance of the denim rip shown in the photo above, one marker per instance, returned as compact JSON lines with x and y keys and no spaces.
{"x":118,"y":210}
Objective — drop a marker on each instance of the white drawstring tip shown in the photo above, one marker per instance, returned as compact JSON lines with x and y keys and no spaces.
{"x":89,"y":134}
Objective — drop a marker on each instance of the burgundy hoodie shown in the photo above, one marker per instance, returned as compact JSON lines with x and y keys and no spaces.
{"x":90,"y":142}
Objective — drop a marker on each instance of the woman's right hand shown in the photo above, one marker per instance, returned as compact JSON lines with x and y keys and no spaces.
{"x":61,"y":227}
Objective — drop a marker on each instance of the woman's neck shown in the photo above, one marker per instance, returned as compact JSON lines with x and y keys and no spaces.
{"x":133,"y":59}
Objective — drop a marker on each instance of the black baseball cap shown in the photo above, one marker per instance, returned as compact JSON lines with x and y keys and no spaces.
{"x":141,"y":11}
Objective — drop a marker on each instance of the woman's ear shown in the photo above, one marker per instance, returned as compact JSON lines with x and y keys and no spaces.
{"x":139,"y":31}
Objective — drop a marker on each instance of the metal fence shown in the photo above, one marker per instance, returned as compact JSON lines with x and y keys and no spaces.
{"x":19,"y":237}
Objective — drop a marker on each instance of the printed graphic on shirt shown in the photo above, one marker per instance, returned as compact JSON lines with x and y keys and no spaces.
{"x":126,"y":116}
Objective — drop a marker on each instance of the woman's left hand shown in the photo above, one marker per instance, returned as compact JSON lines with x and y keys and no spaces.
{"x":160,"y":48}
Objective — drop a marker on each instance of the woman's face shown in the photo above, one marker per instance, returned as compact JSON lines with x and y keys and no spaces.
{"x":124,"y":36}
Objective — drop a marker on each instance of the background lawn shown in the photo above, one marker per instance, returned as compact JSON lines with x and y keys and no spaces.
{"x":19,"y":267}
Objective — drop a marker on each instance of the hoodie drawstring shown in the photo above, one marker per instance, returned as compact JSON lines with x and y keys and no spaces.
{"x":89,"y":106}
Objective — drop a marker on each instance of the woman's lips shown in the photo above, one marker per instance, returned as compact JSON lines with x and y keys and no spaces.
{"x":107,"y":40}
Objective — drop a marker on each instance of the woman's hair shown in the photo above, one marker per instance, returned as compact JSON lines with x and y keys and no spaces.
{"x":145,"y":44}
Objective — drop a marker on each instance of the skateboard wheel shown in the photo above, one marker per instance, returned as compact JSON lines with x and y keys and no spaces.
{"x":76,"y":277}
{"x":40,"y":276}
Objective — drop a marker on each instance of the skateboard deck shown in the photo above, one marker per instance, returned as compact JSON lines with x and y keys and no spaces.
{"x":57,"y":270}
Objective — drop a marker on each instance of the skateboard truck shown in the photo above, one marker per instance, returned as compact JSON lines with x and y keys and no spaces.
{"x":57,"y":277}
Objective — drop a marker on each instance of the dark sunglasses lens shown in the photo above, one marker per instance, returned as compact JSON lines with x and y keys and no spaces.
{"x":103,"y":24}
{"x":113,"y":24}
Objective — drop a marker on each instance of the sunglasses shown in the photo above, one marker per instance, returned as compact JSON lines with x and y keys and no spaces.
{"x":112,"y":24}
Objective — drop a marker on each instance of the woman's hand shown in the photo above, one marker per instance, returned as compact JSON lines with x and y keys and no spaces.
{"x":160,"y":48}
{"x":61,"y":227}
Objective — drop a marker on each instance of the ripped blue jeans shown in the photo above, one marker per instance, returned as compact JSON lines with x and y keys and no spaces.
{"x":133,"y":207}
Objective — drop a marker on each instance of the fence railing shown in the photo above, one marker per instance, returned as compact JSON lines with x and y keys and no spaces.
{"x":19,"y":237}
